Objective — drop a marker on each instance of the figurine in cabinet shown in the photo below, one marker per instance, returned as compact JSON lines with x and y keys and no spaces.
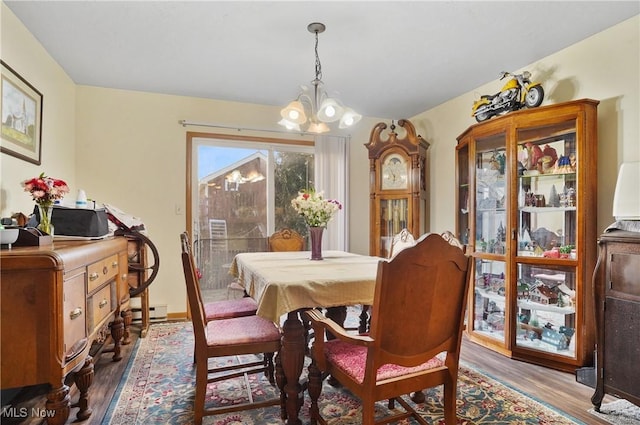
{"x":551,"y":154}
{"x":534,"y":154}
{"x":559,"y":339}
{"x":543,"y":294}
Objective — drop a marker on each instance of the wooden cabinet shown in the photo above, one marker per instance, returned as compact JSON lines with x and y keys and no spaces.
{"x":398,"y":188}
{"x":56,"y":301}
{"x":526,"y":208}
{"x":617,"y":309}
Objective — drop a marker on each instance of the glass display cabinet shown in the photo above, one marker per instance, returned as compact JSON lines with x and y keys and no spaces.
{"x":398,"y":189}
{"x":526,"y":208}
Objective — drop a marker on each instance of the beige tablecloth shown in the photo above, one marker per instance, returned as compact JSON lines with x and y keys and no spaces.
{"x":287,"y":281}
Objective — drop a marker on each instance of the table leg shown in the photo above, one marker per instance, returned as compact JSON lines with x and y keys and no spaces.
{"x":365,"y":320}
{"x":292,"y":352}
{"x":338,"y":315}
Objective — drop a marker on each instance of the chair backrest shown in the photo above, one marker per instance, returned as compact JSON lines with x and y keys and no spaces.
{"x":194,"y":296}
{"x":286,"y":240}
{"x":419,"y":304}
{"x":402,"y":240}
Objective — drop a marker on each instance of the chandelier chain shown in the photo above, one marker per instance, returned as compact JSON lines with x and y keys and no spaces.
{"x":318,"y":64}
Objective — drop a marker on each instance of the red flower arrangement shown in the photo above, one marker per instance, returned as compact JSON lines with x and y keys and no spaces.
{"x":45,"y":190}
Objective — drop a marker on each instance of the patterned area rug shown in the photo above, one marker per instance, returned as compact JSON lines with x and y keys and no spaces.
{"x":159,"y":387}
{"x":619,"y":412}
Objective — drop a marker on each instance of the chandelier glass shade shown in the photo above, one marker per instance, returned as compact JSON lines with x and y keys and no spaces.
{"x":314,"y":110}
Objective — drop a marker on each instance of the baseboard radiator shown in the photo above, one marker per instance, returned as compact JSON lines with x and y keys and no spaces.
{"x":157,"y":313}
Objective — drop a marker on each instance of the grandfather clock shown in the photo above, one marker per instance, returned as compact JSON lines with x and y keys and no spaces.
{"x":398,"y":185}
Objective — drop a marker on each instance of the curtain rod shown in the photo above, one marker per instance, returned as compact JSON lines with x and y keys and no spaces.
{"x":185,"y":123}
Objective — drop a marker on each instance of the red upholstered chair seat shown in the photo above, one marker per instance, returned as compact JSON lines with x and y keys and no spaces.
{"x":352,"y":360}
{"x":226,"y":309}
{"x":241,"y":330}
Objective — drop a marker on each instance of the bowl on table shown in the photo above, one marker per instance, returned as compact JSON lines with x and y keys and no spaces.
{"x":8,"y":236}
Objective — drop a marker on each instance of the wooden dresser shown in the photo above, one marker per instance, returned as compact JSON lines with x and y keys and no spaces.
{"x":617,"y":302}
{"x":57,"y":300}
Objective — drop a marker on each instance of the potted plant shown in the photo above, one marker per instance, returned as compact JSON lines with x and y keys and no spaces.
{"x":565,"y":251}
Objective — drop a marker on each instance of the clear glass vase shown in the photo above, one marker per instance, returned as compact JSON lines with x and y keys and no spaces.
{"x":315,"y":234}
{"x":45,"y":225}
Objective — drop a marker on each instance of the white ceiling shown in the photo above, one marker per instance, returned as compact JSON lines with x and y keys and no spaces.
{"x":386,"y":59}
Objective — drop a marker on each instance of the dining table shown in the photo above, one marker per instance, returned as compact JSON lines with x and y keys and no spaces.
{"x":285,"y":284}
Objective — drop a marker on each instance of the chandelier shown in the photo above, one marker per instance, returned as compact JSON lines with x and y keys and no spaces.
{"x":317,"y":108}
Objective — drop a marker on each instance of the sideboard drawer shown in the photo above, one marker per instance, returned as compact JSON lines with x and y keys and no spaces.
{"x":100,"y":306}
{"x":101,"y":272}
{"x":74,"y":316}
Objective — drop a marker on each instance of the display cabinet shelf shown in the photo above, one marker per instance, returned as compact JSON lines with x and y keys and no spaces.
{"x":526,"y":208}
{"x":546,"y":209}
{"x":545,"y":307}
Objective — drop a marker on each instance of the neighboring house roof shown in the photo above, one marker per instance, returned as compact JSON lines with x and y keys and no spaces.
{"x":226,"y":170}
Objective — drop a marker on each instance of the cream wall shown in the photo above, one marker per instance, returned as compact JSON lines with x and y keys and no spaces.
{"x":605,"y":67}
{"x":127,"y":148}
{"x":22,"y":52}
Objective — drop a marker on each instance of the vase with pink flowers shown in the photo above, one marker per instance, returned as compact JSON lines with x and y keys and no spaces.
{"x":45,"y":191}
{"x":317,"y":212}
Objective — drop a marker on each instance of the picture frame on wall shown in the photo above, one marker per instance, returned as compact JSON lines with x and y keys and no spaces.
{"x":21,"y":107}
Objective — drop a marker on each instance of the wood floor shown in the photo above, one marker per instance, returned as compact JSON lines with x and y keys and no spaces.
{"x":555,"y":388}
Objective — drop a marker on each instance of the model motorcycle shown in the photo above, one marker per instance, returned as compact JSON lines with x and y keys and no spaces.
{"x":517,"y":93}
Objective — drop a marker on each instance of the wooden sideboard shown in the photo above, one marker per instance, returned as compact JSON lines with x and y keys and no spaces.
{"x":57,"y":300}
{"x":617,"y":304}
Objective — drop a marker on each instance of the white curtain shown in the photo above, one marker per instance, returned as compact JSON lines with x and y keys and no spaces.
{"x":331,"y":176}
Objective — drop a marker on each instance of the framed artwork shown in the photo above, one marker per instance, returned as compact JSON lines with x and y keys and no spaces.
{"x":21,"y":117}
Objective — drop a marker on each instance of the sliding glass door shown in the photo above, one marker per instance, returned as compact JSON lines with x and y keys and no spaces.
{"x":241,"y":193}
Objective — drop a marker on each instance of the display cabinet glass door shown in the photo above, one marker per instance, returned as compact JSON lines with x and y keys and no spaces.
{"x":547,"y":227}
{"x":547,"y":192}
{"x":394,"y":216}
{"x":490,"y":316}
{"x":546,"y":310}
{"x":491,"y":195}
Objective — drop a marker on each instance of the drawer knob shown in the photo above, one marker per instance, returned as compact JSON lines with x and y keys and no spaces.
{"x":75,"y":313}
{"x":103,"y":303}
{"x":114,"y":265}
{"x":93,"y":276}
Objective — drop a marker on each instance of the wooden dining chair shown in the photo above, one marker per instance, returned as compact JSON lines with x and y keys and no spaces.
{"x":415,"y":336}
{"x":286,"y":240}
{"x":403,"y":239}
{"x":224,"y":309}
{"x":227,"y":337}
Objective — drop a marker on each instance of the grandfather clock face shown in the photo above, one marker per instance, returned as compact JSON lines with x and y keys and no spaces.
{"x":394,"y":172}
